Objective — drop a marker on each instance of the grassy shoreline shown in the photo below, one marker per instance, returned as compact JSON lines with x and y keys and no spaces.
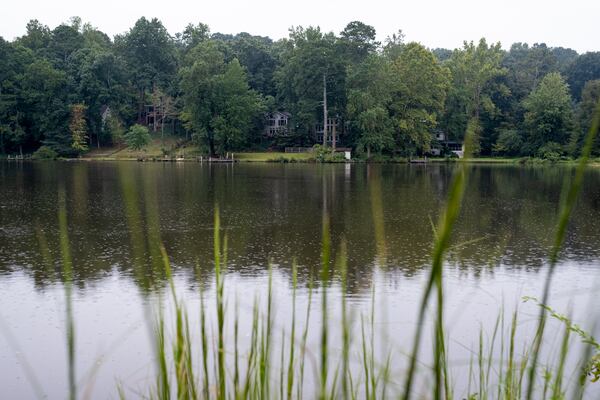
{"x":308,"y":158}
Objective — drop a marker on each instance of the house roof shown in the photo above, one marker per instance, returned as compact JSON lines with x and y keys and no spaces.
{"x":284,"y":113}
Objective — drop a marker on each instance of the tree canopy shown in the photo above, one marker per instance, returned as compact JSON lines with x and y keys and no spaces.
{"x":73,"y":88}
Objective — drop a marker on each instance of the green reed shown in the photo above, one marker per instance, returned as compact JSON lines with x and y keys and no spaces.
{"x":67,"y":273}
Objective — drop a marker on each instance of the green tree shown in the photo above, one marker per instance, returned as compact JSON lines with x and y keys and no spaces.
{"x":376,"y":129}
{"x":358,"y":41}
{"x":474,"y":70}
{"x":393,"y":45}
{"x":526,"y":66}
{"x":78,"y":128}
{"x":564,"y":58}
{"x":549,"y":113}
{"x":590,"y":97}
{"x":442,"y":54}
{"x":65,"y":40}
{"x":137,"y":137}
{"x":419,"y":85}
{"x":112,"y":127}
{"x":151,"y":57}
{"x":219,"y":106}
{"x":509,"y":143}
{"x":369,"y":96}
{"x":584,"y":68}
{"x":45,"y":107}
{"x":192,"y":35}
{"x":12,"y":64}
{"x":37,"y":36}
{"x":256,"y":54}
{"x":307,"y":57}
{"x":99,"y":79}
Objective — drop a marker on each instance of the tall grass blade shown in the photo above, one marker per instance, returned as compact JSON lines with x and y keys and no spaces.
{"x":559,"y":237}
{"x":67,"y":272}
{"x":441,"y":243}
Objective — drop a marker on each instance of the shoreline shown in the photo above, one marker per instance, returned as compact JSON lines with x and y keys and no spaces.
{"x":297,"y":160}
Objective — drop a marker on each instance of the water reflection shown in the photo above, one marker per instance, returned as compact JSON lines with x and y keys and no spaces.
{"x":117,"y":211}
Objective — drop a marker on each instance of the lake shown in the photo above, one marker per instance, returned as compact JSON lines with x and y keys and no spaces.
{"x":271,"y":214}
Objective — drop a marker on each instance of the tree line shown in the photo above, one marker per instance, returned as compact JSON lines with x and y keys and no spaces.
{"x":73,"y":88}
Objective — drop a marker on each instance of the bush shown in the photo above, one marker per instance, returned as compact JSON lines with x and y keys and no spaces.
{"x":326,"y":154}
{"x":551,"y":151}
{"x":45,"y":153}
{"x":283,"y":160}
{"x":137,"y":137}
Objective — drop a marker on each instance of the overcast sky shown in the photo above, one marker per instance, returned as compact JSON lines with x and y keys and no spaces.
{"x":434,"y":23}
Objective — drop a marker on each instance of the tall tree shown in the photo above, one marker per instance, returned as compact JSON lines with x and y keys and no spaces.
{"x":255,"y":54}
{"x":590,"y":97}
{"x":549,"y":114}
{"x":393,"y":45}
{"x":37,"y":37}
{"x":474,"y":70}
{"x":369,"y":97}
{"x":584,"y":68}
{"x":219,"y":106}
{"x":307,"y":57}
{"x":45,"y":105}
{"x":192,"y":35}
{"x":358,"y":41}
{"x":564,"y":58}
{"x":78,"y":128}
{"x":420,"y":85}
{"x":13,"y":60}
{"x":526,"y":66}
{"x":151,"y":56}
{"x":65,"y":41}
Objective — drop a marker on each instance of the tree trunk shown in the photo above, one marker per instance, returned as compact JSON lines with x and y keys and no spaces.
{"x":154,"y":101}
{"x":333,"y":132}
{"x":324,"y":111}
{"x":141,"y":107}
{"x":211,"y":146}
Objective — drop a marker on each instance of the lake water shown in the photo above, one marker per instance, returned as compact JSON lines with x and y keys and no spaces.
{"x":271,"y":214}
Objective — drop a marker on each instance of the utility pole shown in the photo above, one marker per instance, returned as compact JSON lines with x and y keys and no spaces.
{"x":324,"y":111}
{"x":333,"y":132}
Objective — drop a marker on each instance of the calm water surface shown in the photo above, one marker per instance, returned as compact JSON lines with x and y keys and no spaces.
{"x":270,"y":213}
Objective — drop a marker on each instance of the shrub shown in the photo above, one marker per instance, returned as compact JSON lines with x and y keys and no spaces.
{"x":45,"y":153}
{"x":137,"y":137}
{"x":326,"y":154}
{"x":551,"y":151}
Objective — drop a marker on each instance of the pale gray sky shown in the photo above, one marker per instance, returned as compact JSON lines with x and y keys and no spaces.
{"x":434,"y":23}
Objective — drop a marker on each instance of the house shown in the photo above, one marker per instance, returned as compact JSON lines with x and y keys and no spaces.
{"x":277,"y":124}
{"x":105,"y":113}
{"x":441,"y":144}
{"x":333,"y":127}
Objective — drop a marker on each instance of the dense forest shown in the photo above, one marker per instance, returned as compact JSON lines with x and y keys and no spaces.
{"x":73,"y":88}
